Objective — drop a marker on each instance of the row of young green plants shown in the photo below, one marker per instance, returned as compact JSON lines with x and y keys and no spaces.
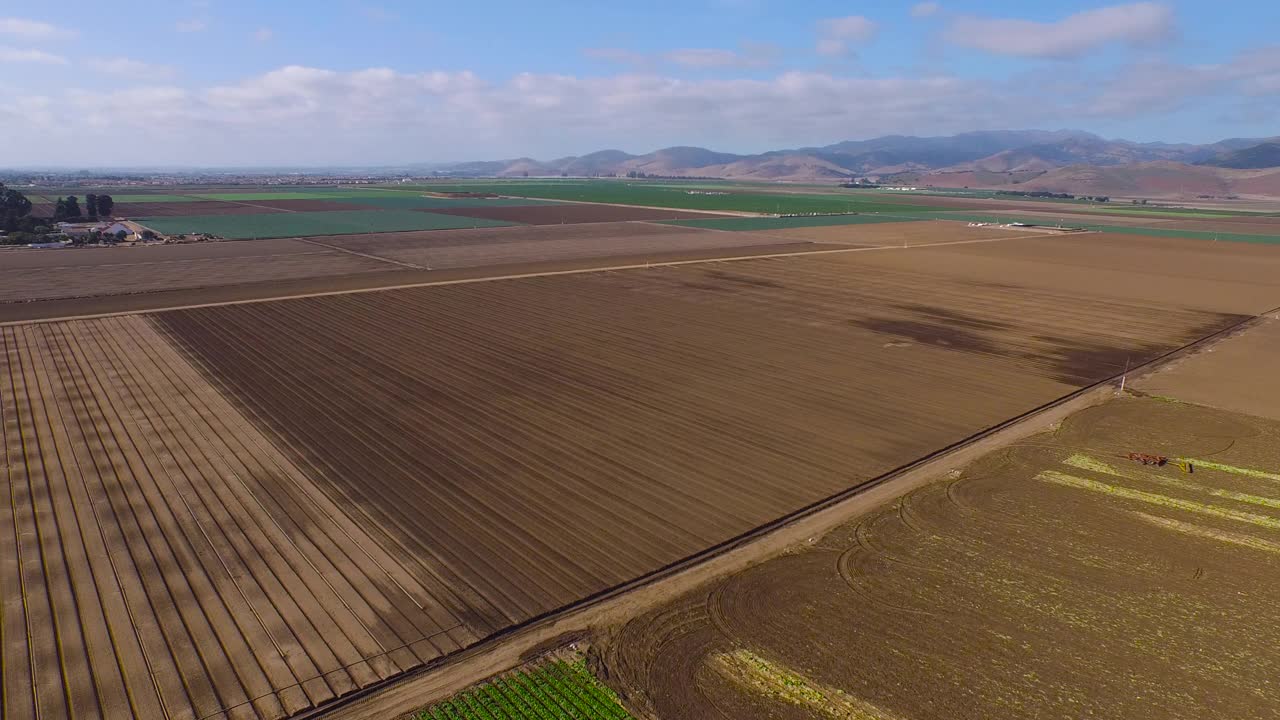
{"x":552,"y":690}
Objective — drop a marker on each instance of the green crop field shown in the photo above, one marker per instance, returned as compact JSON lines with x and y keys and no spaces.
{"x":683,"y":197}
{"x":249,"y":196}
{"x":296,"y":224}
{"x":156,"y":197}
{"x":554,"y":690}
{"x":783,"y":223}
{"x":415,"y":201}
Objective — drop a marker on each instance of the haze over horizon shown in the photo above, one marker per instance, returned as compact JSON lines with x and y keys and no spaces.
{"x":235,"y":84}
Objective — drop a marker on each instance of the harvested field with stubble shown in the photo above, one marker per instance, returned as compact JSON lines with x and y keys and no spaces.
{"x":1050,"y":579}
{"x":30,"y":275}
{"x":515,"y":245}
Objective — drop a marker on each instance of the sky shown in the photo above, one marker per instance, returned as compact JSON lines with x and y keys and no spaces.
{"x":348,"y":82}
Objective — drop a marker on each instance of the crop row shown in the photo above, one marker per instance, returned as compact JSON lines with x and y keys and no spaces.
{"x":554,"y":690}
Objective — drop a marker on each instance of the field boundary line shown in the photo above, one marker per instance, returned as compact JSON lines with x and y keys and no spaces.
{"x":516,"y":276}
{"x":515,"y":645}
{"x":319,"y":243}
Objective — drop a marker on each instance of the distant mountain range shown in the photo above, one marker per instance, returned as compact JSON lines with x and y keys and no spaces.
{"x":1060,"y":160}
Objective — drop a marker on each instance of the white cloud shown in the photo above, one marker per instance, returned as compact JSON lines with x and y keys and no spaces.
{"x":263,"y":34}
{"x":622,"y":56}
{"x":925,"y":9}
{"x":385,"y":116}
{"x":130,"y":68}
{"x":288,"y":115}
{"x":21,"y":55}
{"x":749,"y":55}
{"x":837,"y":36}
{"x":1134,"y":24}
{"x":193,"y":25}
{"x":32,"y":29}
{"x":1143,"y":88}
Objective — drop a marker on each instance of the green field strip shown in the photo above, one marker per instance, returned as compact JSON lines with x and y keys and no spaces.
{"x":553,"y":690}
{"x":157,"y":198}
{"x":239,"y":196}
{"x":410,"y":202}
{"x":1126,"y":493}
{"x":788,"y":686}
{"x":296,"y":224}
{"x":783,"y":223}
{"x":1246,"y":472}
{"x":1084,"y":462}
{"x":683,"y":198}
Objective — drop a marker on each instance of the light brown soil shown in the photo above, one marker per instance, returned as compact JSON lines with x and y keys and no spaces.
{"x":1237,"y":374}
{"x":1002,"y":594}
{"x":148,"y":269}
{"x":567,"y":434}
{"x":141,"y":254}
{"x":570,"y":213}
{"x":513,"y":245}
{"x":1174,"y":273}
{"x":393,"y":277}
{"x":893,"y":234}
{"x":162,"y":559}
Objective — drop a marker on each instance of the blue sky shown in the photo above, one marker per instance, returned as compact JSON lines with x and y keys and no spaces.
{"x":232,"y":82}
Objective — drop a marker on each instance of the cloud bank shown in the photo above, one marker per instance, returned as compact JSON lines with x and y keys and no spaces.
{"x":1136,"y":24}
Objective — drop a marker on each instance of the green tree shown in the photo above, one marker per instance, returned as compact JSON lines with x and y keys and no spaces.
{"x":13,"y":207}
{"x":91,"y":205}
{"x":121,"y":235}
{"x":105,"y":205}
{"x":60,"y":210}
{"x":73,"y":206}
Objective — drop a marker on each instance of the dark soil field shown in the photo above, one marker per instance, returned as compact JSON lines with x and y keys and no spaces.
{"x":1051,"y":579}
{"x":570,"y":213}
{"x":183,"y":209}
{"x":513,"y":245}
{"x":238,"y":207}
{"x":30,"y":275}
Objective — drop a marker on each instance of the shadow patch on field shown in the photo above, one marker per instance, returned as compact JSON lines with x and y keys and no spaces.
{"x":1081,"y":362}
{"x":940,"y":314}
{"x":743,"y":279}
{"x":928,"y":333}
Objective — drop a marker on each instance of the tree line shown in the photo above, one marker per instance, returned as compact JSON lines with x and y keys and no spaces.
{"x":20,"y":227}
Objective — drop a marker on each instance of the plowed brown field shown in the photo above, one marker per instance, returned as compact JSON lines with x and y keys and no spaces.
{"x":627,"y":420}
{"x":247,"y":510}
{"x":162,"y":559}
{"x":1051,"y":579}
{"x":29,"y":275}
{"x":570,"y":213}
{"x":513,"y":245}
{"x":894,"y":234}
